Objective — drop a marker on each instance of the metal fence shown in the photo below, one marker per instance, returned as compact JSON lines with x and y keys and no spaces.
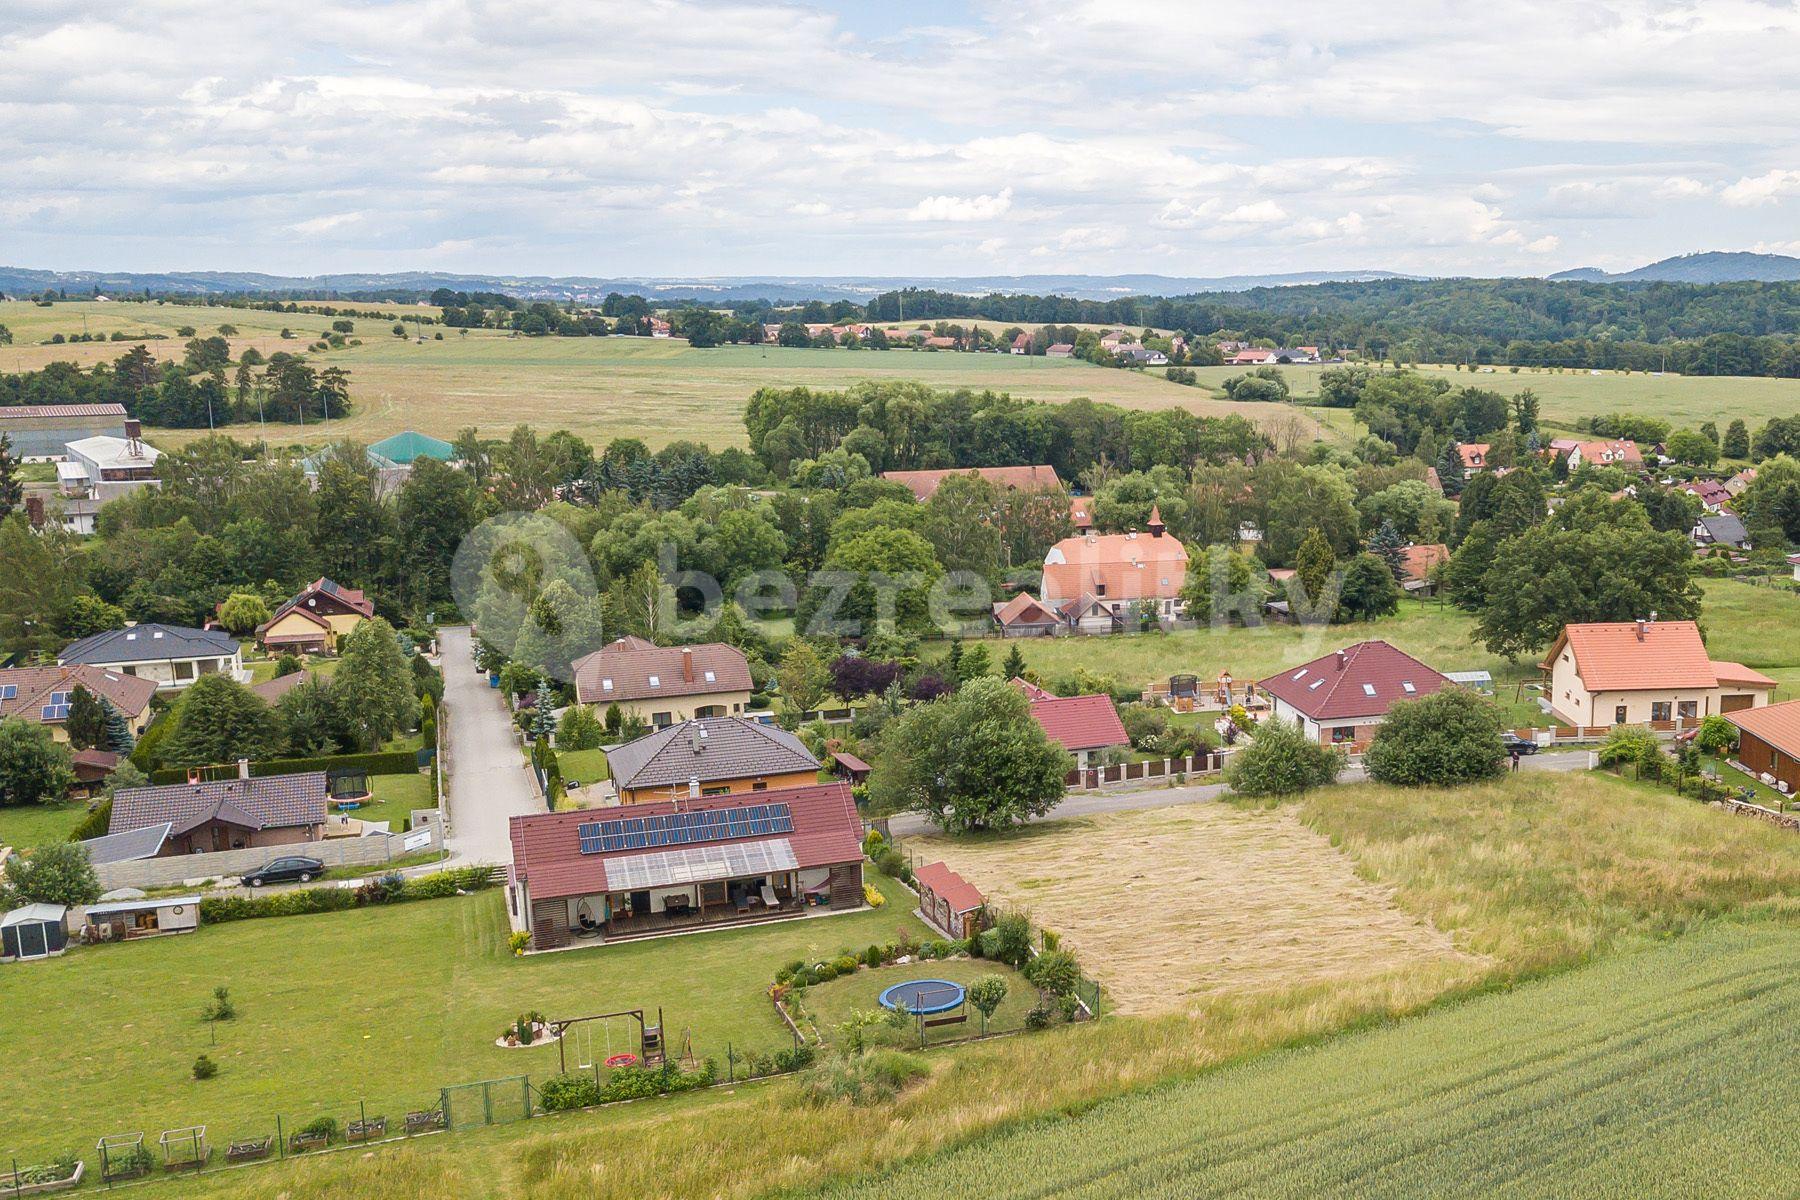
{"x":487,"y":1102}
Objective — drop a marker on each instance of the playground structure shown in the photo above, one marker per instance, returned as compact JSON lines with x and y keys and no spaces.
{"x":652,"y":1048}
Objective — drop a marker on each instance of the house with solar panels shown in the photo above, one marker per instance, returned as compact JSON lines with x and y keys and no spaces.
{"x":684,"y":864}
{"x":317,"y":620}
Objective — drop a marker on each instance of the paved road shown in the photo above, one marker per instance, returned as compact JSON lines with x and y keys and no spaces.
{"x":489,"y":781}
{"x":1082,"y":804}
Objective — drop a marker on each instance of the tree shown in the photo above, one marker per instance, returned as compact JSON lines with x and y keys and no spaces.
{"x":802,"y":676}
{"x":118,"y":737}
{"x":12,"y":488}
{"x":1313,"y":564}
{"x":961,"y":525}
{"x":1449,"y":737}
{"x":436,"y":507}
{"x":1368,"y":590}
{"x":219,"y":720}
{"x":579,"y":729}
{"x":1282,"y":761}
{"x":987,"y":994}
{"x":561,"y":626}
{"x":1387,"y":545}
{"x":1715,"y":735}
{"x":310,"y":720}
{"x":1694,"y":449}
{"x":373,"y":686}
{"x":56,"y":873}
{"x":242,"y":612}
{"x":86,"y":724}
{"x":880,"y":580}
{"x":1219,"y":584}
{"x":34,"y":769}
{"x":1054,"y":972}
{"x":1737,"y":440}
{"x":1450,"y":469}
{"x":88,"y":614}
{"x":975,"y":759}
{"x":1014,"y":666}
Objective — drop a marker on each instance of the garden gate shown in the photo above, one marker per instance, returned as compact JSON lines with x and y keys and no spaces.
{"x":489,"y":1102}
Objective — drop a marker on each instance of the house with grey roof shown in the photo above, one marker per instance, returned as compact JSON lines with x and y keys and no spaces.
{"x":206,"y":816}
{"x":710,"y":756}
{"x":172,"y":655}
{"x":1721,"y":529}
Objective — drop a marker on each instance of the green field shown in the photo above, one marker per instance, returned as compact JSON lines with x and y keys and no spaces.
{"x":1664,"y":1073}
{"x":25,"y":826}
{"x":385,"y":1005}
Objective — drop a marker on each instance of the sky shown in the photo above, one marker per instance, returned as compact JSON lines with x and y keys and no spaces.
{"x":673,"y":138}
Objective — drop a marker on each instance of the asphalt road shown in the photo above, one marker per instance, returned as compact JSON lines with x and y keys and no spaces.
{"x":1083,"y":804}
{"x":489,"y":781}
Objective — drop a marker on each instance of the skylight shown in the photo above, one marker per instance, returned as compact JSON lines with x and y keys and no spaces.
{"x":1300,"y":674}
{"x":1315,"y":685}
{"x":711,"y":677}
{"x":655,"y":681}
{"x":606,"y":685}
{"x":1368,"y":689}
{"x":1406,"y":686}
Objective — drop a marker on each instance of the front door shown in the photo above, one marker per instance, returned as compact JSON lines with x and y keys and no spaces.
{"x":1735,"y":703}
{"x":640,"y":904}
{"x":33,"y":941}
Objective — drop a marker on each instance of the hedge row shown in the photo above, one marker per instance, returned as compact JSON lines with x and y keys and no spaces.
{"x":390,"y":889}
{"x":380,"y":762}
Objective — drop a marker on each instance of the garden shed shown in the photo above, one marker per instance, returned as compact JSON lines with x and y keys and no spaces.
{"x":34,"y":931}
{"x":124,"y":920}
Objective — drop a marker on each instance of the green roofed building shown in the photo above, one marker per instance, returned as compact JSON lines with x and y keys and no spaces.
{"x":403,"y":449}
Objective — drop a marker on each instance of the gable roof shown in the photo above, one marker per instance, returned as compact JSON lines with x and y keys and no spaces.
{"x":1418,"y":560}
{"x":26,"y":691}
{"x":149,"y":642}
{"x":1629,"y":656}
{"x":1128,"y":566}
{"x":634,"y":669}
{"x":1079,"y":722}
{"x":1776,"y":724}
{"x":264,"y":802}
{"x":328,"y":592}
{"x":1363,"y":680}
{"x":405,"y":447}
{"x":1473,"y":454}
{"x":1025,"y":479}
{"x":1724,"y":527}
{"x":546,"y":847}
{"x":1024,"y":609}
{"x":1710,"y":491}
{"x":1620,"y":450}
{"x":961,"y":895}
{"x":129,"y":846}
{"x":272,"y":690}
{"x":707,"y":749}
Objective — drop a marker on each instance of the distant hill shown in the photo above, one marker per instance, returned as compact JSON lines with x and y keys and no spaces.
{"x":1712,"y":266}
{"x":21,"y":281}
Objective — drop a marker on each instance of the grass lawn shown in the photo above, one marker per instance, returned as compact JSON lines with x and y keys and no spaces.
{"x":828,"y":1005}
{"x":263,"y":669}
{"x":589,"y":766}
{"x":1755,"y":626}
{"x":25,"y":826}
{"x":395,"y":798}
{"x":1603,"y":1082}
{"x":385,"y":1004}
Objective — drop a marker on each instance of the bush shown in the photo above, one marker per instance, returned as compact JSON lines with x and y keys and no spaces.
{"x":205,"y":1068}
{"x":863,"y":1079}
{"x":1629,"y":744}
{"x":1039,"y":1017}
{"x":824,"y":973}
{"x":220,"y":1007}
{"x":1009,"y":941}
{"x":1054,"y":971}
{"x":1282,"y":761}
{"x":320,"y":1126}
{"x":1447,"y":738}
{"x":380,"y":762}
{"x":794,"y":1058}
{"x":872,"y":956}
{"x":846,"y":964}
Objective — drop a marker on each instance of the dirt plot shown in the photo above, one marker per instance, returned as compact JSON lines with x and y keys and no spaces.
{"x":1166,"y":905}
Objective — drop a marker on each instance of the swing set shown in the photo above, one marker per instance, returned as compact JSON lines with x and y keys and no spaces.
{"x":651,"y":1049}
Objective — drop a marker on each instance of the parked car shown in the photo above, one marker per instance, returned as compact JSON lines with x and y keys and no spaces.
{"x":1512,"y":742}
{"x":293,"y":868}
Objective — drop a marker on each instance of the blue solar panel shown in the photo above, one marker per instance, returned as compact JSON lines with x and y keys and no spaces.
{"x":9,"y":691}
{"x":681,"y":829}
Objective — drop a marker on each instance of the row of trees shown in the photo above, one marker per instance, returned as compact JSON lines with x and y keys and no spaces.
{"x":194,"y":393}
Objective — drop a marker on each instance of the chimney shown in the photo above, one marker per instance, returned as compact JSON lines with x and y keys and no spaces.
{"x":243,"y":768}
{"x":687,"y":663}
{"x":1641,"y":626}
{"x":693,"y":787}
{"x":1343,"y":660}
{"x":34,"y":511}
{"x":193,"y":776}
{"x":696,"y":738}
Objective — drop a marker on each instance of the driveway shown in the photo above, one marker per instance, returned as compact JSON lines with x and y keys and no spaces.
{"x":489,"y":781}
{"x":1083,"y":804}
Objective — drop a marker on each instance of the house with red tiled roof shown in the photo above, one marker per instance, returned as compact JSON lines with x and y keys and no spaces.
{"x":1025,"y":616}
{"x":42,"y":695}
{"x":1769,"y":743}
{"x":924,"y":484}
{"x":1061,"y":350}
{"x":1620,"y":452}
{"x":1473,"y":455}
{"x":664,"y":684}
{"x":684,"y":864}
{"x":1097,"y":580}
{"x":317,"y":620}
{"x":1710,"y":492}
{"x":1340,"y":698}
{"x":1251,"y":358}
{"x":1083,"y":725}
{"x":949,"y":901}
{"x":1080,"y":515}
{"x":1644,"y":673}
{"x":1022,"y":344}
{"x":1417,"y":562}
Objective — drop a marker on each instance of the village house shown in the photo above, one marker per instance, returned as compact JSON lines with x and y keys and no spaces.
{"x":1473,"y":455}
{"x":1021,"y":344}
{"x":1644,"y":673}
{"x":1079,"y":516}
{"x":1024,"y":616}
{"x":924,"y":484}
{"x":711,"y":756}
{"x":1618,"y":453}
{"x":1418,"y":561}
{"x":317,"y":620}
{"x":1720,"y":529}
{"x":1095,"y":581}
{"x":203,"y":816}
{"x":661,"y":685}
{"x":1710,"y":492}
{"x":1339,"y":699}
{"x":1769,"y":743}
{"x":1143,"y":356}
{"x":173,"y":656}
{"x":104,"y":467}
{"x":1738,"y":484}
{"x":42,"y":432}
{"x":42,"y":695}
{"x":1060,"y":350}
{"x":1251,"y":358}
{"x":1085,"y":726}
{"x":689,"y":863}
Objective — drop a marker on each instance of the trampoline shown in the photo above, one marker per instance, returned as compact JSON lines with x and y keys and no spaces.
{"x":923,"y":996}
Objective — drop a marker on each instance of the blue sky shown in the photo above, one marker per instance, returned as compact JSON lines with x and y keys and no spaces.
{"x":670,"y":137}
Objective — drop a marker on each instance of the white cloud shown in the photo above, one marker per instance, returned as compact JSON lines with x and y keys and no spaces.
{"x":962,"y":208}
{"x":1766,"y":188}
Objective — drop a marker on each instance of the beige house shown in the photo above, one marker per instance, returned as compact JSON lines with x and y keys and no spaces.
{"x":173,"y":656}
{"x":1644,"y":673}
{"x":42,"y":695}
{"x":663,"y":685}
{"x":317,"y":620}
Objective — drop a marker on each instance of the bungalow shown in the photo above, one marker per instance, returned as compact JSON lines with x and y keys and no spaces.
{"x":684,"y":864}
{"x":1251,"y":358}
{"x":924,"y":484}
{"x":1769,"y":742}
{"x":661,"y":685}
{"x":1096,"y":580}
{"x":1023,"y":616}
{"x":1021,"y":344}
{"x":42,"y":695}
{"x":1085,"y":726}
{"x":1142,"y":356}
{"x":317,"y":620}
{"x":1644,"y":672}
{"x":1720,"y":529}
{"x":949,"y":901}
{"x":712,"y":756}
{"x":1060,"y":350}
{"x":171,"y":655}
{"x":1739,"y":483}
{"x":227,"y":814}
{"x":1340,"y":699}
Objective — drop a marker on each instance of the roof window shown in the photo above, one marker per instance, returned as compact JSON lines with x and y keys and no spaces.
{"x":656,"y":681}
{"x":1368,"y":689}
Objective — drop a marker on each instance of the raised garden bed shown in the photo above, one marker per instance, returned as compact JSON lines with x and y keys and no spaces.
{"x":366,"y":1131}
{"x":34,"y":1181}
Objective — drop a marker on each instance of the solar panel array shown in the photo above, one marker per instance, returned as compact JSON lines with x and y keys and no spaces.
{"x":684,"y":829}
{"x":58,"y":708}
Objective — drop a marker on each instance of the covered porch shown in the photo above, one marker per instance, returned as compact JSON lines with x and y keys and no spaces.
{"x":662,"y":906}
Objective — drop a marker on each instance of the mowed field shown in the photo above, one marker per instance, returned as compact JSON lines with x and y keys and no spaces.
{"x":1657,"y":1074}
{"x":1198,"y":899}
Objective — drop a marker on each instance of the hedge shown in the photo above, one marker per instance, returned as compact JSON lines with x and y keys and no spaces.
{"x":380,"y":762}
{"x":389,"y":890}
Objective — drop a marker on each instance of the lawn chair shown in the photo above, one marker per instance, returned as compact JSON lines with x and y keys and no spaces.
{"x":768,"y":897}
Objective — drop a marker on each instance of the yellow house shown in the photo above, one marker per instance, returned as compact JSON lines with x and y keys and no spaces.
{"x":662,"y":685}
{"x":42,"y":695}
{"x":317,"y":620}
{"x":711,"y":756}
{"x":1644,"y":673}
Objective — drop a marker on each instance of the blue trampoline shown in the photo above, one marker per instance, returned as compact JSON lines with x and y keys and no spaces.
{"x":923,"y":996}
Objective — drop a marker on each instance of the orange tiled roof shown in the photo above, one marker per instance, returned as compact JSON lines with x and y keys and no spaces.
{"x":1776,"y":724}
{"x":1024,"y":479}
{"x":1631,"y":656}
{"x":1420,"y":559}
{"x":1114,"y":566}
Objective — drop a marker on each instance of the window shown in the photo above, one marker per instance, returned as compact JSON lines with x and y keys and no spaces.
{"x":1660,"y":710}
{"x":1299,"y":675}
{"x":1342,"y":733}
{"x":1406,"y":685}
{"x":715,"y":791}
{"x":759,"y":786}
{"x":711,"y":677}
{"x":655,"y":681}
{"x":1619,"y":715}
{"x":1368,"y":689}
{"x":1688,"y":708}
{"x":606,"y":685}
{"x":661,"y":720}
{"x":1315,"y":685}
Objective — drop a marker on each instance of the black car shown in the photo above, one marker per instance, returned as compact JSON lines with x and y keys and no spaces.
{"x":1512,"y":743}
{"x":292,"y":869}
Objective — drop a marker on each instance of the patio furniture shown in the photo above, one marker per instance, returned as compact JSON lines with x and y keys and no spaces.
{"x":249,"y":1149}
{"x":768,"y":897}
{"x":677,"y":906}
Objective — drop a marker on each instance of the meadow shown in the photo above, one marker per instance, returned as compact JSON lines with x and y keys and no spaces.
{"x":1538,"y":873}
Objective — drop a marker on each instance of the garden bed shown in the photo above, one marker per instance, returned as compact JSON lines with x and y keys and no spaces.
{"x":30,"y":1181}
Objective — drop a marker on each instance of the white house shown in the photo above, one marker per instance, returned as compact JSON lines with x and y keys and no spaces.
{"x":172,"y":655}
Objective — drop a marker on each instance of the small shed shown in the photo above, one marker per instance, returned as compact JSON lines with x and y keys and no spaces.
{"x":34,"y":931}
{"x":123,"y":920}
{"x":847,"y":766}
{"x":1476,"y":681}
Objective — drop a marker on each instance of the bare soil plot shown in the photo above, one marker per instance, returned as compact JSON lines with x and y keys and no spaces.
{"x":1168,"y":905}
